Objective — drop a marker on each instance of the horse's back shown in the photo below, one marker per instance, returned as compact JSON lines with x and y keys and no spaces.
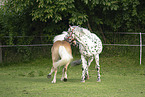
{"x":61,"y":43}
{"x":91,"y":44}
{"x":55,"y":49}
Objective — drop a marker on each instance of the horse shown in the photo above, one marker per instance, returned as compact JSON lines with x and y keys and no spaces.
{"x":90,"y":46}
{"x":61,"y":56}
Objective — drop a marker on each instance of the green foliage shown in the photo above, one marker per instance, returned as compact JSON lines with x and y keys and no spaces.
{"x":112,"y":15}
{"x":51,"y":9}
{"x":78,"y":18}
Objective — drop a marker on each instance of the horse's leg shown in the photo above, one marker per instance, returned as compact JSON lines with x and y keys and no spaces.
{"x":84,"y":68}
{"x":52,"y":69}
{"x":49,"y":75}
{"x":54,"y":79}
{"x":98,"y":67}
{"x":64,"y":75}
{"x":89,"y":63}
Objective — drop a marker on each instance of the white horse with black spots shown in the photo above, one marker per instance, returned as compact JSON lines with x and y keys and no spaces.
{"x":90,"y":47}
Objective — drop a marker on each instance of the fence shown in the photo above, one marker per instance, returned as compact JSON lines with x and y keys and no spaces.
{"x":131,"y":45}
{"x":140,"y":45}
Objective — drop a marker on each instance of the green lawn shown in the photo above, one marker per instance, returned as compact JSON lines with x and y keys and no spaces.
{"x":120,"y":77}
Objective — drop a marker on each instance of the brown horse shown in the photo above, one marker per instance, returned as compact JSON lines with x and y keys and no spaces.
{"x":61,"y":56}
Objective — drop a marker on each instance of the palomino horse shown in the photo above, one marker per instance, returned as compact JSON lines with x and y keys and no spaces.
{"x":61,"y":55}
{"x":90,"y":47}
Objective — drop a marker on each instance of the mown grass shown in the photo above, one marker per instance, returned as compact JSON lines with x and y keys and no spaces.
{"x":120,"y":77}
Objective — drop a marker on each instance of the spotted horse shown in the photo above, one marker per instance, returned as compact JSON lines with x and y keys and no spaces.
{"x":90,"y":46}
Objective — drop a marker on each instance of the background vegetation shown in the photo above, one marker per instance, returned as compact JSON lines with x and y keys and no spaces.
{"x":33,"y":18}
{"x":51,"y":17}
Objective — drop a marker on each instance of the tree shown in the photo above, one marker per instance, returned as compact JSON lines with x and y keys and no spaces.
{"x":54,"y":16}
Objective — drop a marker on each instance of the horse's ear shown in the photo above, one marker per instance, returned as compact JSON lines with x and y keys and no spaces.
{"x":70,"y":27}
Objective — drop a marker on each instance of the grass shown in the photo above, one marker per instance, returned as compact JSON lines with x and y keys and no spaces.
{"x":120,"y":77}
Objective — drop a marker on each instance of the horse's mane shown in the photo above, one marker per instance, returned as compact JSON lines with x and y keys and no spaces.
{"x":86,"y":31}
{"x":60,"y":37}
{"x":82,"y":30}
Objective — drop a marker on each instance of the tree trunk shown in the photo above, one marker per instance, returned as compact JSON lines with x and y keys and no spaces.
{"x":89,"y":26}
{"x":102,"y":34}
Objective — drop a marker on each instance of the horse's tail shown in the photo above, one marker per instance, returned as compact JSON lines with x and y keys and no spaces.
{"x":65,"y":56}
{"x":76,"y":62}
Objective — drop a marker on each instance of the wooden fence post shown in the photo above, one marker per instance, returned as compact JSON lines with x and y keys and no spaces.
{"x":1,"y":55}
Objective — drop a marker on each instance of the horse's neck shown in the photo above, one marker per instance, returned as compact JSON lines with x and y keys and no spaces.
{"x":82,"y":33}
{"x":82,"y":36}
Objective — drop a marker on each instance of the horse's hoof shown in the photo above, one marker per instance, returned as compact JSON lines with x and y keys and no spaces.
{"x":53,"y":82}
{"x":98,"y":80}
{"x":65,"y":79}
{"x":83,"y":81}
{"x":48,"y":76}
{"x":86,"y":77}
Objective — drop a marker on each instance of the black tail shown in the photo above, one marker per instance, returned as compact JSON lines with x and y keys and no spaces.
{"x":76,"y":62}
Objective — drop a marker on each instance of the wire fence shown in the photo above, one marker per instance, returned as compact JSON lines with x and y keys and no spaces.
{"x":40,"y":45}
{"x":2,"y":46}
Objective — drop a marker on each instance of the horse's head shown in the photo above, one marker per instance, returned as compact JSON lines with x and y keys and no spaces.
{"x":71,"y":34}
{"x":75,"y":31}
